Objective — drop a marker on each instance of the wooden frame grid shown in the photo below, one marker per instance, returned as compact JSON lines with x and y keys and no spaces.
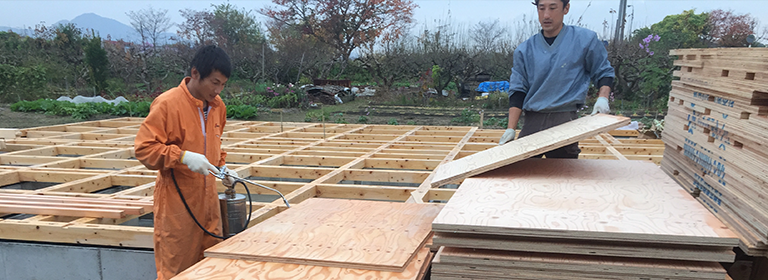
{"x":302,"y":160}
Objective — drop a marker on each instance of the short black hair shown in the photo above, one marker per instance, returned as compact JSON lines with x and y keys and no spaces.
{"x":565,"y":2}
{"x":211,"y":58}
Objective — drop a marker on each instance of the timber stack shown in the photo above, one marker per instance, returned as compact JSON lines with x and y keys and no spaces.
{"x":714,"y":132}
{"x":578,"y":219}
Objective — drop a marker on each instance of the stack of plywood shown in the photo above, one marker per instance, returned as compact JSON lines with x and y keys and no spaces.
{"x":714,"y":135}
{"x":329,"y":239}
{"x":578,"y":219}
{"x":71,"y":206}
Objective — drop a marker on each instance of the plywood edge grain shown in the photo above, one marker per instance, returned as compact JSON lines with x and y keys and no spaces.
{"x":588,"y":248}
{"x":583,"y":235}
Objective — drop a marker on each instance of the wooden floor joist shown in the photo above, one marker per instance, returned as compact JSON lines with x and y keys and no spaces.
{"x":94,"y":161}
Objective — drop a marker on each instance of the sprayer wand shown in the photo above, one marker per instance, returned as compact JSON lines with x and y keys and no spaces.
{"x":223,"y":174}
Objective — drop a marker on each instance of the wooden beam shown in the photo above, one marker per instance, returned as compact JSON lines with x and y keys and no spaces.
{"x":334,"y":176}
{"x":288,"y":172}
{"x":331,"y":161}
{"x":624,"y":133}
{"x":52,"y":204}
{"x":610,"y":149}
{"x":393,"y":176}
{"x":417,"y":156}
{"x":119,"y":236}
{"x":61,"y":211}
{"x":363,"y":192}
{"x":27,"y":160}
{"x":420,"y":193}
{"x":52,"y":176}
{"x":85,"y":185}
{"x":245,"y":157}
{"x":393,"y":163}
{"x":101,"y":163}
{"x":146,"y":206}
{"x":146,"y":190}
{"x":131,"y":180}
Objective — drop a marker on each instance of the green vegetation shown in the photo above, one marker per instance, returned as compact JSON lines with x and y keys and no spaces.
{"x":467,"y":117}
{"x":84,"y":111}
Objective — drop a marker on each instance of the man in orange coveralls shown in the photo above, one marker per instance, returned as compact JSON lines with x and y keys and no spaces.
{"x":182,"y":134}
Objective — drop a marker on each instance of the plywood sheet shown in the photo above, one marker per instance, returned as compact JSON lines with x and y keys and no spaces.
{"x":595,"y":206}
{"x":458,"y":271}
{"x":531,"y":145}
{"x":369,"y":235}
{"x":587,"y":248}
{"x":600,"y":266}
{"x":228,"y":269}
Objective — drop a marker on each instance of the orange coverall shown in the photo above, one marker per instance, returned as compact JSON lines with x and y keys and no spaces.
{"x":176,"y":123}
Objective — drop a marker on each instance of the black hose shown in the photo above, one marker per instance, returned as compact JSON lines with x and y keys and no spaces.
{"x":190,"y":211}
{"x":250,"y":202}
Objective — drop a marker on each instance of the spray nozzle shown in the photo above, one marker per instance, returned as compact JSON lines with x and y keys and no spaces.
{"x":224,"y":172}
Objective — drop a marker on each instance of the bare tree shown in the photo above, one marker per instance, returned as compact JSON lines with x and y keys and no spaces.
{"x":344,"y":25}
{"x":196,"y":27}
{"x":486,"y":35}
{"x":525,"y":29}
{"x":150,"y":24}
{"x":391,"y":62}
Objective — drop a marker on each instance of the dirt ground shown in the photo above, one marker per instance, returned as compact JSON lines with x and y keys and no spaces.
{"x":11,"y":119}
{"x":350,"y":113}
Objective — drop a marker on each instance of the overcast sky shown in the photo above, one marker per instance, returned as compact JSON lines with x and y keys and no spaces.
{"x":28,"y":13}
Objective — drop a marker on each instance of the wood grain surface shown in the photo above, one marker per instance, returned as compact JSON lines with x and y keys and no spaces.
{"x":370,"y":235}
{"x":228,"y":269}
{"x":570,"y":201}
{"x":505,"y":260}
{"x":531,"y":145}
{"x":588,"y":248}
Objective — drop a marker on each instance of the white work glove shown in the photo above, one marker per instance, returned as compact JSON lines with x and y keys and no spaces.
{"x":197,"y":163}
{"x":601,"y":106}
{"x":509,"y":135}
{"x":228,"y":181}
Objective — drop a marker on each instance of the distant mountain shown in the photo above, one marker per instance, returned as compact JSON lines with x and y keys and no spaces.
{"x":21,"y":31}
{"x":102,"y":25}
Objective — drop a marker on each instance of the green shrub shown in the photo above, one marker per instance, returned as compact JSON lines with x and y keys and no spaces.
{"x":242,"y":112}
{"x":132,"y":109}
{"x":503,"y":122}
{"x":84,"y":110}
{"x":467,"y":117}
{"x":283,"y":101}
{"x":340,"y":118}
{"x":491,"y":122}
{"x":317,"y":115}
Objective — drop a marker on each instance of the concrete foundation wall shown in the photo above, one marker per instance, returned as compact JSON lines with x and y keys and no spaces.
{"x":34,"y":261}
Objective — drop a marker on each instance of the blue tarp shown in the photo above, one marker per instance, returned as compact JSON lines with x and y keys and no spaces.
{"x":502,"y":86}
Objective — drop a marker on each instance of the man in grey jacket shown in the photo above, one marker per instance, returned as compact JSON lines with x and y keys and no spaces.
{"x":552,"y":73}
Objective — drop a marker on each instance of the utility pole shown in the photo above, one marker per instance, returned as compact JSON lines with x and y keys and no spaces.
{"x":619,"y":36}
{"x":632,"y":20}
